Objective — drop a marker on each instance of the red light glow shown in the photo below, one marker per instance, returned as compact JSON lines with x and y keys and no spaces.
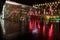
{"x":38,"y":25}
{"x":51,"y":10}
{"x":44,"y":29}
{"x":35,"y":25}
{"x":50,"y":34}
{"x":30,"y":25}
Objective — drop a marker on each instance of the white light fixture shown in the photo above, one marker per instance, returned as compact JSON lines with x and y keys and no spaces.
{"x":55,"y":2}
{"x":13,"y":3}
{"x":58,"y":2}
{"x":35,"y":7}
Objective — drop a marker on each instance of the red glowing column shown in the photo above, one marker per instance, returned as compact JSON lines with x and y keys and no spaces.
{"x":35,"y":25}
{"x":50,"y":33}
{"x":38,"y":25}
{"x":31,"y":24}
{"x":51,"y":10}
{"x":44,"y":29}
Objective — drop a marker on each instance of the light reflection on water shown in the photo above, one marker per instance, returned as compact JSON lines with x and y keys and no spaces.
{"x":43,"y":33}
{"x":44,"y":29}
{"x":35,"y":33}
{"x":50,"y":33}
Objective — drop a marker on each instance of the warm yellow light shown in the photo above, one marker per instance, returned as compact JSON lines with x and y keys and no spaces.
{"x":55,"y":2}
{"x":50,"y":3}
{"x":57,"y":16}
{"x":45,"y":3}
{"x":58,"y":2}
{"x":51,"y":17}
{"x":47,"y":17}
{"x":39,"y":4}
{"x":54,"y":16}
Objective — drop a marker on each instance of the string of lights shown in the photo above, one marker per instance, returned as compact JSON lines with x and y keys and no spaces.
{"x":48,"y":4}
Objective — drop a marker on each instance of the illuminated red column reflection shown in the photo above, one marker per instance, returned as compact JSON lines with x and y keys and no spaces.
{"x":38,"y":25}
{"x":44,"y":29}
{"x":35,"y":25}
{"x":31,"y":24}
{"x":50,"y":33}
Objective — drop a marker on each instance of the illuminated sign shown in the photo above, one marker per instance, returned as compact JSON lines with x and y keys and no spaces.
{"x":54,"y":18}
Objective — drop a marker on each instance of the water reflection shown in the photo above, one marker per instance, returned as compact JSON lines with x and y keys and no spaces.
{"x":41,"y":32}
{"x":44,"y":29}
{"x":44,"y":34}
{"x":50,"y":33}
{"x":30,"y":25}
{"x":39,"y":25}
{"x":35,"y":33}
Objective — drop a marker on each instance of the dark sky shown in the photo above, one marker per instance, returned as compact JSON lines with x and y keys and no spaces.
{"x":1,"y":5}
{"x":31,"y":2}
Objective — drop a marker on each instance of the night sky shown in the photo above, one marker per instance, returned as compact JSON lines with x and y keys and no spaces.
{"x":27,"y":2}
{"x":31,"y":2}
